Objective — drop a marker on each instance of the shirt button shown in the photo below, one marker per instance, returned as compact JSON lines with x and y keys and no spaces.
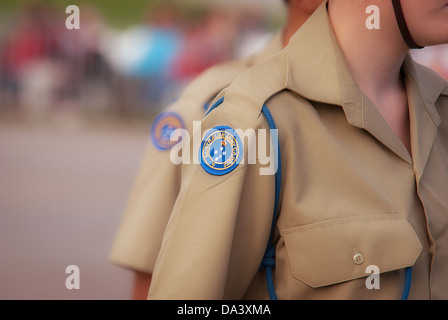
{"x":358,"y":258}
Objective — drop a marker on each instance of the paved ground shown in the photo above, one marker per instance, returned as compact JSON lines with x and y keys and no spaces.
{"x":62,"y":193}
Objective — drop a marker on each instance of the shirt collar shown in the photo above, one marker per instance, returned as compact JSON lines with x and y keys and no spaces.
{"x":429,"y":85}
{"x":317,"y":70}
{"x":310,"y":51}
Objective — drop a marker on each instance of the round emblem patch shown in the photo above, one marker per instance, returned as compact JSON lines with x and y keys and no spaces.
{"x":221,"y":151}
{"x":163,"y":127}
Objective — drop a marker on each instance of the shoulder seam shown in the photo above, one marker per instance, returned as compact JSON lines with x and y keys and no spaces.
{"x":258,"y":83}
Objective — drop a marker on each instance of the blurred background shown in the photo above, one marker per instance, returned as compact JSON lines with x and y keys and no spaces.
{"x":76,"y":108}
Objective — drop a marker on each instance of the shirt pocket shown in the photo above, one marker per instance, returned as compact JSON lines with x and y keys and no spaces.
{"x":340,"y":250}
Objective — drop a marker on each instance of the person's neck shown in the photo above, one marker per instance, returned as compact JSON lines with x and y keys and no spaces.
{"x":375,"y":57}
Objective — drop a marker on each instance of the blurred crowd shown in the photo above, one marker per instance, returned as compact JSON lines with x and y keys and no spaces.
{"x":47,"y":69}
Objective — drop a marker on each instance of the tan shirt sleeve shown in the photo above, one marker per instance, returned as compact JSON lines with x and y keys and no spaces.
{"x":139,"y":236}
{"x":138,"y":239}
{"x":219,"y":228}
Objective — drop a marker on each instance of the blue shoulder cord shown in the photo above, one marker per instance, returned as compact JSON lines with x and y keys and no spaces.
{"x":268,"y":262}
{"x":407,"y":284}
{"x":213,"y":107}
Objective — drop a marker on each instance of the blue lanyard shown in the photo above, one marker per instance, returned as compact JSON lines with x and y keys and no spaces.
{"x":407,"y":284}
{"x":268,"y":262}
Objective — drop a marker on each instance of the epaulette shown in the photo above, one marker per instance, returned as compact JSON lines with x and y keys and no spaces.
{"x":265,"y":79}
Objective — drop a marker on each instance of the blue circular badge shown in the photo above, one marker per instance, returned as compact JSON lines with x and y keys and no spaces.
{"x":221,"y":151}
{"x":163,"y":127}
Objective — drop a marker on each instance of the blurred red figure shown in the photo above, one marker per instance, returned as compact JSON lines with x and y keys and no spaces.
{"x":206,"y":43}
{"x":33,"y":38}
{"x":27,"y":73}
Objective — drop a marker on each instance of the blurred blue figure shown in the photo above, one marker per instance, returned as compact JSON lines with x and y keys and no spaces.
{"x":159,"y":51}
{"x":147,"y":53}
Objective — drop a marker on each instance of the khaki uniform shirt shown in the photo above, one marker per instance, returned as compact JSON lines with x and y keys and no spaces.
{"x":139,"y":236}
{"x":351,"y":197}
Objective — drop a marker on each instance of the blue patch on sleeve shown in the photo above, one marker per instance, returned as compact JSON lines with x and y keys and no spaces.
{"x":221,"y":151}
{"x":163,"y":127}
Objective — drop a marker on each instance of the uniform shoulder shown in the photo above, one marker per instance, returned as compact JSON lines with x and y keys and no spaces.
{"x":241,"y":104}
{"x":194,"y":99}
{"x":253,"y":87}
